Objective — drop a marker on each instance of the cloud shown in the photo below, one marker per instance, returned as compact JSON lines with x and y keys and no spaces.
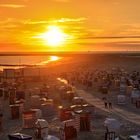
{"x":28,"y":21}
{"x":51,"y":21}
{"x":111,"y":37}
{"x":61,"y":0}
{"x":12,"y":5}
{"x":112,"y":46}
{"x":70,"y":20}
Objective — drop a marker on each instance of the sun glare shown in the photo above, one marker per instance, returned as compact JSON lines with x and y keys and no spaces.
{"x":54,"y":36}
{"x":54,"y":58}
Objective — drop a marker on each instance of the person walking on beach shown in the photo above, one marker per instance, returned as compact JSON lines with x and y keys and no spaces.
{"x":105,"y":102}
{"x":110,"y":105}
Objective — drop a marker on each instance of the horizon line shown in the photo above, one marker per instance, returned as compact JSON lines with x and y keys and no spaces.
{"x":66,"y":52}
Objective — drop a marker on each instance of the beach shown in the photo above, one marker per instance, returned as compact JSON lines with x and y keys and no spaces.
{"x":79,"y":70}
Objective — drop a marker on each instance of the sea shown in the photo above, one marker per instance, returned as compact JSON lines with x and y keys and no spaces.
{"x":19,"y":60}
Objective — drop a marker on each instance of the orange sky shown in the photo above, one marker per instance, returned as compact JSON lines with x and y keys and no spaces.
{"x":94,"y":24}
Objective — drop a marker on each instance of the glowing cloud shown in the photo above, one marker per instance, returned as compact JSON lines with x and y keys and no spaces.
{"x":12,"y":6}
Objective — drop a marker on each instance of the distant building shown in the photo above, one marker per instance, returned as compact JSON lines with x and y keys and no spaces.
{"x":8,"y":73}
{"x":27,"y":73}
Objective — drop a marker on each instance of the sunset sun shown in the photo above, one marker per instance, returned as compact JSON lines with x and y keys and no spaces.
{"x":54,"y":36}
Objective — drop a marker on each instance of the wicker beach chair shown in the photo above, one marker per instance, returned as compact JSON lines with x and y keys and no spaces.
{"x":110,"y":136}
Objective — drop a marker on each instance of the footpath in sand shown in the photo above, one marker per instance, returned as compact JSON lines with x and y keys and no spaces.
{"x":98,"y":103}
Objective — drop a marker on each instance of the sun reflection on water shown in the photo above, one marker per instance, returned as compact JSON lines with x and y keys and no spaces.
{"x":50,"y":59}
{"x":54,"y":58}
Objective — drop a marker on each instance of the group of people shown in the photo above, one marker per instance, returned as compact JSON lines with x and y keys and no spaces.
{"x":107,"y":104}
